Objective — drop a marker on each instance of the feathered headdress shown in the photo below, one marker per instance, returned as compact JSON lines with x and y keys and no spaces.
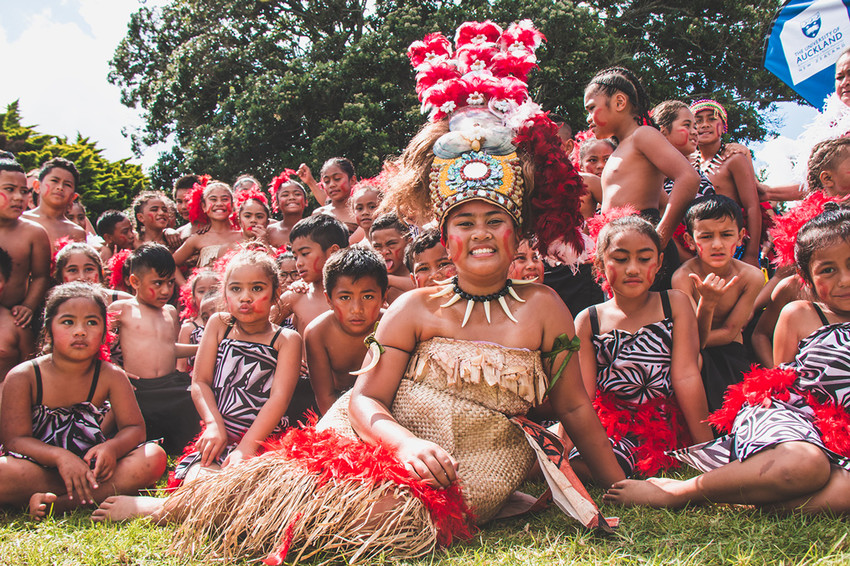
{"x":241,"y":198}
{"x":116,"y":268}
{"x":284,"y":177}
{"x":196,"y":201}
{"x":481,"y":88}
{"x":785,"y":227}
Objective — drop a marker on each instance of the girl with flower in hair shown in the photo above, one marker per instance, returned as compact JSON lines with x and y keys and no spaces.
{"x":432,"y":439}
{"x":289,"y":199}
{"x":212,"y":203}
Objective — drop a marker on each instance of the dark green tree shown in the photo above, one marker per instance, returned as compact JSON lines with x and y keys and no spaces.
{"x":256,"y":86}
{"x":103,"y":184}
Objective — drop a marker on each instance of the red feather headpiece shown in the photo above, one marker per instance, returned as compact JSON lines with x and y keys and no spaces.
{"x":196,"y":201}
{"x":433,"y":46}
{"x":477,"y":33}
{"x":116,"y":268}
{"x":785,"y":227}
{"x":241,"y":198}
{"x":284,"y":177}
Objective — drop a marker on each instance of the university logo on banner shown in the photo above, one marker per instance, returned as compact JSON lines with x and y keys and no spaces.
{"x":806,"y":39}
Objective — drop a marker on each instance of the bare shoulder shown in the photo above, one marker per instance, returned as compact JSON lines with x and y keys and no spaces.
{"x":291,"y":298}
{"x":171,"y":311}
{"x":750,"y":274}
{"x":679,"y":300}
{"x":21,"y":373}
{"x":733,"y":148}
{"x":113,"y":373}
{"x":287,"y":336}
{"x":320,"y":324}
{"x":647,"y":135}
{"x":32,"y":228}
{"x":798,"y":309}
{"x":77,"y":233}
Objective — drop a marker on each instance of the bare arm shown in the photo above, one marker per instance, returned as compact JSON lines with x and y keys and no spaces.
{"x":318,"y":360}
{"x":306,"y":177}
{"x":796,"y":321}
{"x":673,"y":165}
{"x":185,"y":332}
{"x":39,"y":269}
{"x":587,"y":353}
{"x":186,"y":250}
{"x":214,"y":437}
{"x":782,"y":192}
{"x":741,"y":168}
{"x":741,"y":313}
{"x":684,"y":370}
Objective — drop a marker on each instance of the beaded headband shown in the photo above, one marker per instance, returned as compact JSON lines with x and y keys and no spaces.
{"x":713,"y":105}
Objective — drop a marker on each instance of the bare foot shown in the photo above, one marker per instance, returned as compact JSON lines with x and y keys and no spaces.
{"x":41,"y":504}
{"x":651,"y":492}
{"x":126,"y":507}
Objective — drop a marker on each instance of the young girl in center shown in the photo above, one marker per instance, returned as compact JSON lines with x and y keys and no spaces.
{"x":245,"y":371}
{"x":55,"y":455}
{"x":788,"y":446}
{"x":213,"y":202}
{"x":252,"y":215}
{"x":639,"y":355}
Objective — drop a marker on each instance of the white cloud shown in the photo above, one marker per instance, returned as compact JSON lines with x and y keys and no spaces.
{"x":61,"y":61}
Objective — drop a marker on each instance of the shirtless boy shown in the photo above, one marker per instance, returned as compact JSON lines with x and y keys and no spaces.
{"x":56,"y":187}
{"x":428,"y":260}
{"x":314,"y":240}
{"x":16,"y":342}
{"x":723,"y":289}
{"x":634,"y":175}
{"x":117,"y":232}
{"x":730,"y":169}
{"x":291,"y":199}
{"x":147,"y":329}
{"x":27,"y":244}
{"x":390,"y":237}
{"x":355,"y":281}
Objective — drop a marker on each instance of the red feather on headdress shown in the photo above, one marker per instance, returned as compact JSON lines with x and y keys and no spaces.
{"x":786,"y":226}
{"x":475,"y":57}
{"x":444,"y":98}
{"x":521,"y":36}
{"x":434,"y":45}
{"x":513,"y":64}
{"x":116,"y":268}
{"x":196,"y":201}
{"x":434,"y":74}
{"x":477,"y":32}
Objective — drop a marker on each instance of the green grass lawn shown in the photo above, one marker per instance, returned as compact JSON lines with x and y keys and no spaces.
{"x":707,"y":535}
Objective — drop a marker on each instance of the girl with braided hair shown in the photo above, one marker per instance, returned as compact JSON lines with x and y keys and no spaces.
{"x":617,"y":106}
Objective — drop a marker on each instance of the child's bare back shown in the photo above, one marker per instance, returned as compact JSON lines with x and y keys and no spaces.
{"x":148,"y":337}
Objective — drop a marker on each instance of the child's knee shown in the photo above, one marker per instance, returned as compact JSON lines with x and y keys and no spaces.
{"x":154,"y":462}
{"x":801,"y":466}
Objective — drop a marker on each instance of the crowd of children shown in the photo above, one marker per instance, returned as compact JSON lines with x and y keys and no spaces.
{"x":204,"y":324}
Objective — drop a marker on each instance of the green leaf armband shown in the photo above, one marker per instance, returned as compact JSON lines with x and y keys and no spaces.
{"x":562,"y":344}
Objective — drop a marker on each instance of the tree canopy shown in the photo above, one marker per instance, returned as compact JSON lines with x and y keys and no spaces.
{"x":255,"y":86}
{"x":103,"y":184}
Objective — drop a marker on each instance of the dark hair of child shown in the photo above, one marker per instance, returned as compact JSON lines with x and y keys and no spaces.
{"x":12,"y":166}
{"x":618,"y":226}
{"x":107,"y":221}
{"x":713,"y":207}
{"x":61,"y":163}
{"x":246,"y":182}
{"x":666,"y":113}
{"x":76,"y":248}
{"x":562,"y":125}
{"x":186,"y":182}
{"x":341,"y":162}
{"x":62,"y":294}
{"x":5,"y":264}
{"x":825,"y":156}
{"x":154,"y":256}
{"x":287,"y":255}
{"x":255,"y":196}
{"x":356,"y":263}
{"x":389,"y":221}
{"x":612,"y":80}
{"x":424,"y":241}
{"x":323,"y":229}
{"x":256,"y":257}
{"x":824,"y":230}
{"x":588,"y":143}
{"x":139,"y":203}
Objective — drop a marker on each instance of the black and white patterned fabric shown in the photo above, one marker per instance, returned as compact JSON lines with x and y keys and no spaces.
{"x":194,"y":338}
{"x":75,"y":428}
{"x":822,"y":364}
{"x":705,"y":187}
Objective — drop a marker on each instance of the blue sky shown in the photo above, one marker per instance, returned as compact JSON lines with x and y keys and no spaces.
{"x":60,"y":50}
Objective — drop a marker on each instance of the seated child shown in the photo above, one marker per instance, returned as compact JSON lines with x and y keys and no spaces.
{"x":787,"y":445}
{"x":194,"y":316}
{"x":117,"y":233}
{"x":427,"y":260}
{"x":527,"y":263}
{"x":77,"y":261}
{"x":147,"y":332}
{"x":314,"y":239}
{"x":57,"y":185}
{"x":355,"y":281}
{"x":390,"y":236}
{"x":639,"y":355}
{"x":246,"y":370}
{"x":16,"y":342}
{"x":366,"y":197}
{"x":289,"y":199}
{"x":51,"y":413}
{"x":27,"y":244}
{"x":723,"y":289}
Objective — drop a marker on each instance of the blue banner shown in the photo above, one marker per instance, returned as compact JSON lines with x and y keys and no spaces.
{"x":805,"y":41}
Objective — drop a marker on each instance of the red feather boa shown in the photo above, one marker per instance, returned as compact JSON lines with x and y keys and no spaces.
{"x":333,"y":457}
{"x":116,"y":268}
{"x":658,"y":424}
{"x":196,"y":201}
{"x":785,"y":227}
{"x":760,"y":386}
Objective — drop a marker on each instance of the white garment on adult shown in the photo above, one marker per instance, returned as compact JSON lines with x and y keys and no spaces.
{"x":832,"y":122}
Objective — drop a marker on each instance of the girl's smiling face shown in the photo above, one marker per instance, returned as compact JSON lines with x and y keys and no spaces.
{"x":218,"y":203}
{"x":830,"y":272}
{"x":683,"y":132}
{"x":290,"y":199}
{"x":154,"y":214}
{"x":364,"y":204}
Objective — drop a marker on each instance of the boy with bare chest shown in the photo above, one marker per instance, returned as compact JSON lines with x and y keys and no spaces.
{"x":355,"y":281}
{"x":16,"y":342}
{"x":56,"y":186}
{"x":723,"y":289}
{"x":148,"y":328}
